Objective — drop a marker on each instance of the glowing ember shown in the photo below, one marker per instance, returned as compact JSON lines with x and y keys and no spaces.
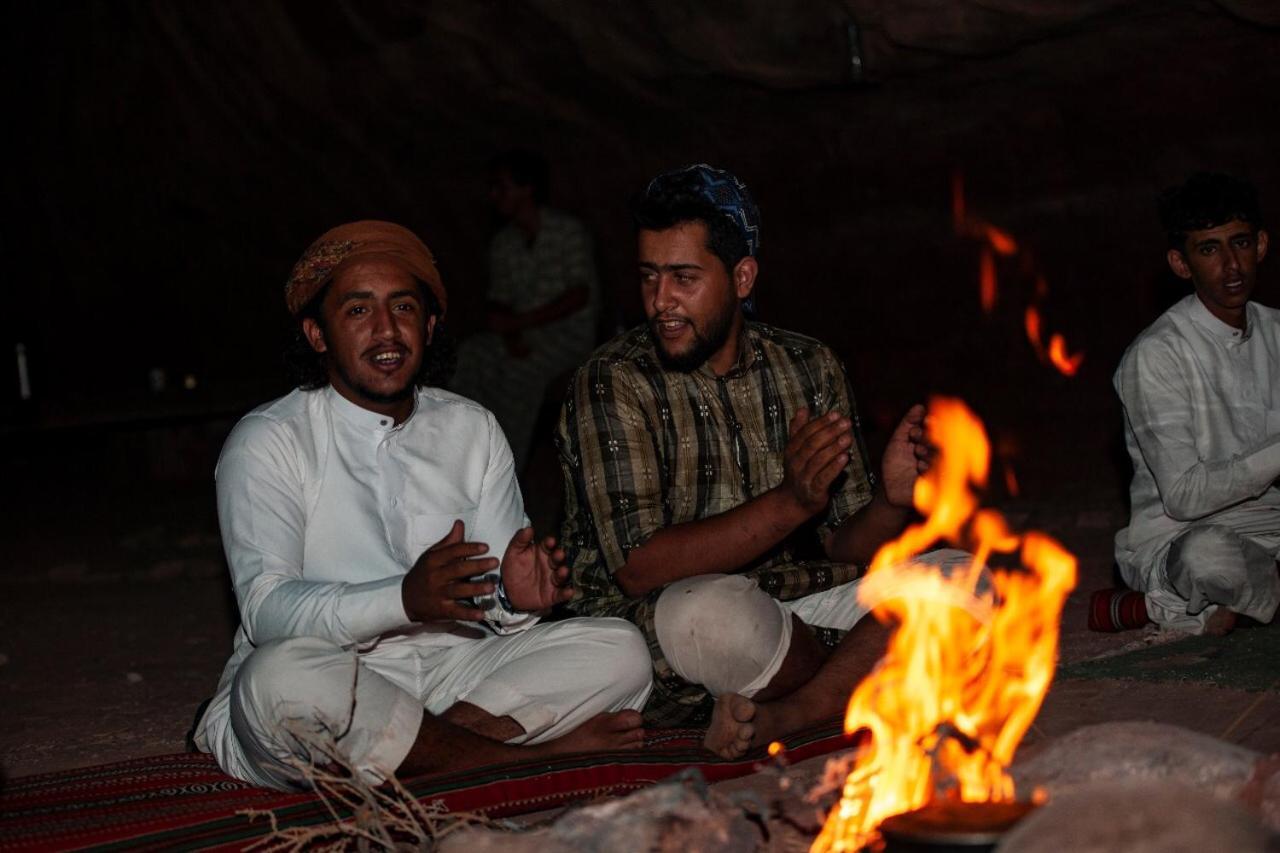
{"x":962,"y":678}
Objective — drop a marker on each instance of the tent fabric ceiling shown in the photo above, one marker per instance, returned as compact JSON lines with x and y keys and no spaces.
{"x":193,"y":150}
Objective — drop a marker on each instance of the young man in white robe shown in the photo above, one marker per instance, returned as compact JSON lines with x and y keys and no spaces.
{"x":1201,"y":395}
{"x":388,"y":584}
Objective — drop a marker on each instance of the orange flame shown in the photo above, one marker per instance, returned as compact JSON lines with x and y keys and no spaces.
{"x":997,"y":241}
{"x":1066,"y":364}
{"x":963,"y":677}
{"x":987,"y":281}
{"x":1056,"y":354}
{"x":1032,"y":323}
{"x":1001,"y":241}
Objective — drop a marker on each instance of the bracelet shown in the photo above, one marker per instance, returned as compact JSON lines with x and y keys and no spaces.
{"x":500,"y":595}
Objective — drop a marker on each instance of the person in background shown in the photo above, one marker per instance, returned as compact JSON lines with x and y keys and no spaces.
{"x":541,"y":303}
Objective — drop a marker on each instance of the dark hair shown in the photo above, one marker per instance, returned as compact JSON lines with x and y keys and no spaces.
{"x":666,"y":207}
{"x":307,"y":368}
{"x":527,"y":169}
{"x":1207,"y":200}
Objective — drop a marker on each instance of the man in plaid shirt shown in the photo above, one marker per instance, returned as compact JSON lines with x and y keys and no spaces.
{"x":718,"y":490}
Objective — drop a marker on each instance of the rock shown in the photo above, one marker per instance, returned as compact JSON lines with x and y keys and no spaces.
{"x":1262,"y":794}
{"x":1136,"y":816}
{"x":676,"y":816}
{"x":1137,"y":751}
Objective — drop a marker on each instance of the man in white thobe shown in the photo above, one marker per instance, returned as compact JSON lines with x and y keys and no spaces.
{"x":357,"y":514}
{"x":1201,"y":395}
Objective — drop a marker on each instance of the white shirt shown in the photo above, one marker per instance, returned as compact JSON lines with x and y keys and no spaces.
{"x":324,"y":506}
{"x":1202,"y":426}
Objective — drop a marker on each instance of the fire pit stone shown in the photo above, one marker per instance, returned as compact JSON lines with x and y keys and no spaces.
{"x":1137,"y":750}
{"x":1137,"y":816}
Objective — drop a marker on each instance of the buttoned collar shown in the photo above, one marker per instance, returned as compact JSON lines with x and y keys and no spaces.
{"x":1225,"y":332}
{"x":360,"y":418}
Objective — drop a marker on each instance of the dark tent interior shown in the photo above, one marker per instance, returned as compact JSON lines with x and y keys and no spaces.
{"x":169,"y":162}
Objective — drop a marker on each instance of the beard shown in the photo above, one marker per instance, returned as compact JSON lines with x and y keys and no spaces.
{"x":706,"y":343}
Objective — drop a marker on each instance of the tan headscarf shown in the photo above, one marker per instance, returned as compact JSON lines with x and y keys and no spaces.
{"x":366,"y":239}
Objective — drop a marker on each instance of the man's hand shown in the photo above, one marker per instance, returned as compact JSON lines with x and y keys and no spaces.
{"x":815,"y":455}
{"x":906,"y":458}
{"x":534,"y":574}
{"x":435,"y":587}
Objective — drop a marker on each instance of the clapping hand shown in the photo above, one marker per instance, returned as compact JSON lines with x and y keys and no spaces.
{"x":907,"y":456}
{"x":816,"y":453}
{"x":439,"y":584}
{"x":534,"y":575}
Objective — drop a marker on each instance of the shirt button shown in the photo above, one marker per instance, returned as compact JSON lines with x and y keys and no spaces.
{"x":383,"y":423}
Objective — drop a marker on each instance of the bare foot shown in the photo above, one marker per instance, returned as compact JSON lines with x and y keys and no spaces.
{"x":605,"y":731}
{"x":732,"y":726}
{"x":1221,"y":623}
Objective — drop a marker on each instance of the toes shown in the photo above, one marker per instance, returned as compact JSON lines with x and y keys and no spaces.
{"x":624,"y":720}
{"x":743,"y":710}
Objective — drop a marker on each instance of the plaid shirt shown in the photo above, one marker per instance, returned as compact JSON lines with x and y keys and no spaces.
{"x":643,"y":448}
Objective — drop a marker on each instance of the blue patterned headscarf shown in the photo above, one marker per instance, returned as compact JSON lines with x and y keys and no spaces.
{"x":723,"y":190}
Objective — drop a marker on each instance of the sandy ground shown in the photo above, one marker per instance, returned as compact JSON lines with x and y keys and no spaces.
{"x":115,"y":627}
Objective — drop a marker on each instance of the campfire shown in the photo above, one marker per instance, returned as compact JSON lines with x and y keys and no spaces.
{"x":971,"y":656}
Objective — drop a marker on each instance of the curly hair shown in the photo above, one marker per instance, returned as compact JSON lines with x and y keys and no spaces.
{"x":308,"y":369}
{"x":1207,"y":200}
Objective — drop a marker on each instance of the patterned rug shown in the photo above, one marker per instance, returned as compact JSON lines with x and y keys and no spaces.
{"x":184,"y":802}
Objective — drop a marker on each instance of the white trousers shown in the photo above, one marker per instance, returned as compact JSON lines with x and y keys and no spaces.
{"x":549,"y":679}
{"x":725,"y":633}
{"x":1212,"y":565}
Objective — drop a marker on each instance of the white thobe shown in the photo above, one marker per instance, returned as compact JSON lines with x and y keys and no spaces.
{"x":324,"y":506}
{"x":1202,"y":426}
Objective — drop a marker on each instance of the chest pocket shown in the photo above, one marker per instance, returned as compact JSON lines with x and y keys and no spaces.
{"x":429,"y":528}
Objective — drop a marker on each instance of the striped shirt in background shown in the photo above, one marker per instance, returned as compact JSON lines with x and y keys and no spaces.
{"x":643,"y":448}
{"x":524,"y":276}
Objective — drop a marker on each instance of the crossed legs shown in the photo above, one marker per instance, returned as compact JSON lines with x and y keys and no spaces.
{"x":1214,"y":574}
{"x":408,"y":715}
{"x":767,"y":670}
{"x":760,"y":658}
